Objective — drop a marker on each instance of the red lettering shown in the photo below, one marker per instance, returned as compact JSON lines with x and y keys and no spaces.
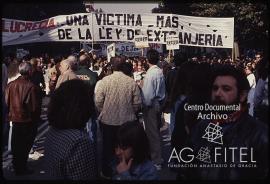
{"x":35,"y":26}
{"x":19,"y":26}
{"x":28,"y":26}
{"x":51,"y":23}
{"x":12,"y":27}
{"x":43,"y":24}
{"x":4,"y":26}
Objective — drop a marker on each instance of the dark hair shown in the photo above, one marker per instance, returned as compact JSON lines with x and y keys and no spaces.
{"x":71,"y":105}
{"x":262,"y":69}
{"x":57,"y":59}
{"x":25,"y":68}
{"x":84,"y":60}
{"x":235,"y":72}
{"x":131,"y":134}
{"x":199,"y":87}
{"x":152,"y":56}
{"x":181,"y":82}
{"x":106,"y":70}
{"x":116,"y":62}
{"x":180,"y":58}
{"x":126,"y":68}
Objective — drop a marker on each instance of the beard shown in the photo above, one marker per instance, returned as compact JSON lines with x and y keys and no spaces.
{"x":218,"y":101}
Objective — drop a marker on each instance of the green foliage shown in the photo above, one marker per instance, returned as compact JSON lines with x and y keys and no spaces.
{"x":250,"y":19}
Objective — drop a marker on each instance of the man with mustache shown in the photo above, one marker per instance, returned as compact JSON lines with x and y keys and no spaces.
{"x":238,"y":144}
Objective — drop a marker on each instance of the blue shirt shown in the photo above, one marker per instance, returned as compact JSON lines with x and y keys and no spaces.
{"x":143,"y":171}
{"x":153,"y":85}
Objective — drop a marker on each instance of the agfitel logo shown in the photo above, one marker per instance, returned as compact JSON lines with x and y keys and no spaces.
{"x":213,"y":134}
{"x":204,"y":155}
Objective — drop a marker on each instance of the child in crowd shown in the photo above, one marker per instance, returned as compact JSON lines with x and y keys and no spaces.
{"x":133,"y":154}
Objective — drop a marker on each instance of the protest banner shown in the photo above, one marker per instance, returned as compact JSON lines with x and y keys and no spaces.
{"x":141,"y":41}
{"x":127,"y":48}
{"x":110,"y":51}
{"x":20,"y":53}
{"x":172,"y":43}
{"x":122,"y":27}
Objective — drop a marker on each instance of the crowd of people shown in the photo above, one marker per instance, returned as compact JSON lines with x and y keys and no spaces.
{"x":87,"y":92}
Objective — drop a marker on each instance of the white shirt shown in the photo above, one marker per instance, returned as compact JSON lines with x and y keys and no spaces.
{"x":153,"y":85}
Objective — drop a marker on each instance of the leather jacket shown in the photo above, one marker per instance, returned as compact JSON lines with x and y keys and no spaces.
{"x":23,"y":100}
{"x":246,"y":132}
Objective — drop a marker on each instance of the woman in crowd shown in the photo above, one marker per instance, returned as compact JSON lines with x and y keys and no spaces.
{"x":133,"y":154}
{"x":252,"y":83}
{"x":68,"y":149}
{"x":178,"y":98}
{"x":261,"y":101}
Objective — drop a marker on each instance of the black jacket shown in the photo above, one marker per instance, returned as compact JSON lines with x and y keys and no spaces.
{"x":245,"y":133}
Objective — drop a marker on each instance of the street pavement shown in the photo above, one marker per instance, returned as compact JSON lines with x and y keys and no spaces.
{"x":37,"y":163}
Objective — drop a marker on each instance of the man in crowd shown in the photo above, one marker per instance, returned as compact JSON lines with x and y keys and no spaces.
{"x":83,"y":72}
{"x":217,"y":137}
{"x":24,"y":106}
{"x":66,"y":72}
{"x":90,"y":78}
{"x":117,"y":98}
{"x":37,"y":76}
{"x":5,"y":124}
{"x":153,"y":94}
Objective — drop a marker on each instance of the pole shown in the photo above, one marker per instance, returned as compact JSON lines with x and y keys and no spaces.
{"x":142,"y":52}
{"x":232,"y":54}
{"x":169,"y":60}
{"x":92,"y":32}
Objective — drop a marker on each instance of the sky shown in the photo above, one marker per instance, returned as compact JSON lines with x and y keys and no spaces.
{"x":126,"y":7}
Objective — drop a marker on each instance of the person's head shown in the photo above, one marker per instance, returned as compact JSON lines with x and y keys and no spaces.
{"x":248,"y":69}
{"x":126,"y":68}
{"x":58,"y":59}
{"x":199,"y":87}
{"x":139,"y":68}
{"x":84,"y":60}
{"x":49,"y":65}
{"x":132,"y":142}
{"x":116,"y":62}
{"x":180,"y":58}
{"x":258,"y":56}
{"x":181,"y":81}
{"x":152,"y":56}
{"x":253,"y":65}
{"x":65,"y":65}
{"x":25,"y":69}
{"x":52,"y":61}
{"x":262,"y":69}
{"x":134,"y":65}
{"x":73,"y":62}
{"x":34,"y":62}
{"x":230,"y":85}
{"x":82,"y":52}
{"x":71,"y":105}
